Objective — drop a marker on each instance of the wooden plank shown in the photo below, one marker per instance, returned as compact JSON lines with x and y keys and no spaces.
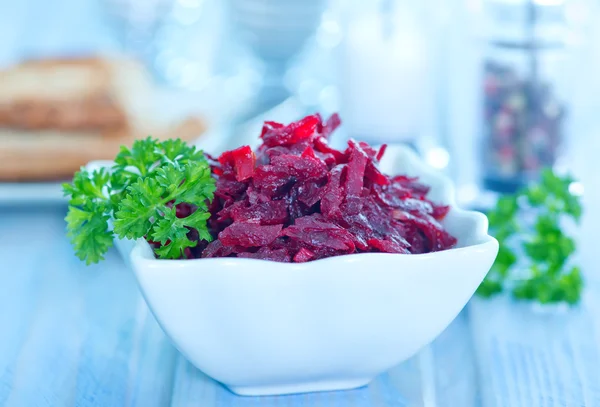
{"x":125,"y":358}
{"x":43,"y":373}
{"x":109,"y":300}
{"x":20,"y":287}
{"x":529,"y":356}
{"x":392,"y":389}
{"x":152,"y":363}
{"x":76,"y":335}
{"x":455,"y":378}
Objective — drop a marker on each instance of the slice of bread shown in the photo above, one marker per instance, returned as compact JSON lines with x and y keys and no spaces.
{"x":56,"y":116}
{"x":53,"y":80}
{"x":61,"y":94}
{"x":55,"y":155}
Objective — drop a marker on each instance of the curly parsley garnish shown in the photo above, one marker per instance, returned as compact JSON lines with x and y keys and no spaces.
{"x":533,"y":261}
{"x":140,"y":194}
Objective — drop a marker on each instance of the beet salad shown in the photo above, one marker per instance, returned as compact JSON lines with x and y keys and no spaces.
{"x":293,"y":199}
{"x":296,"y":199}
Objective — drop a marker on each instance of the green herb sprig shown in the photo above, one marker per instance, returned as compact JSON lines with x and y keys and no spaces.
{"x":542,"y":253}
{"x":140,"y":193}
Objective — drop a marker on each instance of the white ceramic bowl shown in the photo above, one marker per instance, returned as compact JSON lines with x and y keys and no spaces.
{"x":264,"y":328}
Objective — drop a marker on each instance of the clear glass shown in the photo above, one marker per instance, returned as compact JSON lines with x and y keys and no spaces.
{"x":137,"y":23}
{"x":275,"y":32}
{"x":524,"y":116}
{"x":385,"y":66}
{"x":525,"y":103}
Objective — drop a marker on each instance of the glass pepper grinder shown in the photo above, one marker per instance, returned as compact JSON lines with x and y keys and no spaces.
{"x":524,"y":90}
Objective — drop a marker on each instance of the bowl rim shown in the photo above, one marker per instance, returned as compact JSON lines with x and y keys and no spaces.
{"x":142,"y":253}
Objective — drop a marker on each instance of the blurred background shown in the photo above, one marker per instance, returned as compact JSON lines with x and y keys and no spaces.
{"x":489,"y":91}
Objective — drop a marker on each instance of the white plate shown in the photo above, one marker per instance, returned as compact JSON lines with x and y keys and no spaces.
{"x":31,"y":192}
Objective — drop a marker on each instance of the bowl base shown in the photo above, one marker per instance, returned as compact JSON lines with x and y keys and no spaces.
{"x":295,"y":388}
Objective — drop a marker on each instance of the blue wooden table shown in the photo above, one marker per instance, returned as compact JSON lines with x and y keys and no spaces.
{"x":72,"y":335}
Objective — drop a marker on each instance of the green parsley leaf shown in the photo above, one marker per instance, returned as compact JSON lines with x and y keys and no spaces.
{"x":86,"y":187}
{"x":489,"y":287}
{"x":192,"y":190}
{"x":140,"y":193}
{"x":142,"y":156}
{"x":89,"y":212}
{"x":172,"y":233}
{"x":177,"y":150}
{"x":143,"y":203}
{"x":88,"y":230}
{"x":546,"y":250}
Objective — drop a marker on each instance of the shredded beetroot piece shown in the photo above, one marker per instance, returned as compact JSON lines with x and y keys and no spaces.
{"x":334,"y":194}
{"x":381,"y":152}
{"x":332,"y":123}
{"x":267,"y":253}
{"x":387,"y":246}
{"x":303,"y":255}
{"x":296,"y":199}
{"x":265,"y":213}
{"x":247,"y":234}
{"x":239,"y":161}
{"x":316,"y":233}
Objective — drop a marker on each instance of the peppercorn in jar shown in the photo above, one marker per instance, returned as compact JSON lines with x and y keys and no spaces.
{"x":524,"y":90}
